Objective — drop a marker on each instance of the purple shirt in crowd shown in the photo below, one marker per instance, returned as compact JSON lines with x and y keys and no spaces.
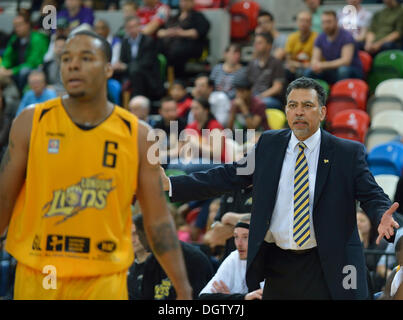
{"x":332,"y":50}
{"x":85,"y":15}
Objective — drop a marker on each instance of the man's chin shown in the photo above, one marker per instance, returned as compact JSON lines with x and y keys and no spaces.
{"x":78,"y":94}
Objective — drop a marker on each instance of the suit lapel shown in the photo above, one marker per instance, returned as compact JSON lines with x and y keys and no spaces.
{"x":324,"y":162}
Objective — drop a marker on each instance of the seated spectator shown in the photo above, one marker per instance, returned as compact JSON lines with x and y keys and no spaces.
{"x":139,"y":62}
{"x":229,"y":282}
{"x":266,"y":73}
{"x":76,"y":14}
{"x":184,"y":36}
{"x":51,"y":68}
{"x":233,"y":206}
{"x":102,"y":28}
{"x":136,"y":270}
{"x":368,"y":235}
{"x":224,"y":73}
{"x":129,"y":9}
{"x":6,"y":118}
{"x":206,"y":144}
{"x":156,"y":285}
{"x":398,"y":278}
{"x":265,"y":24}
{"x":182,"y":98}
{"x":38,"y":91}
{"x":248,"y":111}
{"x":62,"y":30}
{"x":219,"y":101}
{"x":399,"y":199}
{"x":357,"y":23}
{"x":335,"y":55}
{"x":299,"y":47}
{"x":140,"y":107}
{"x":169,"y":120}
{"x":153,"y":15}
{"x":24,"y":52}
{"x":386,"y":28}
{"x":314,"y":6}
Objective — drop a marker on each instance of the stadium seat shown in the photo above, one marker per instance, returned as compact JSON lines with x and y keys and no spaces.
{"x":275,"y":118}
{"x":325,"y":85}
{"x":347,"y":121}
{"x":379,"y":74}
{"x":114,"y":91}
{"x":388,"y":183}
{"x":239,"y":26}
{"x":389,"y":119}
{"x":354,"y":88}
{"x":383,"y":103}
{"x":386,"y":158}
{"x":248,"y":9}
{"x":390,"y":87}
{"x":392,"y":58}
{"x":366,"y":61}
{"x":377,"y":136}
{"x":336,"y":104}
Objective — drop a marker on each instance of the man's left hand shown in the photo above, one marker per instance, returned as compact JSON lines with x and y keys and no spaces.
{"x":387,"y":225}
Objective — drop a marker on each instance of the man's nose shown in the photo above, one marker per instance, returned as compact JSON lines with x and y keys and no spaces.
{"x":74,"y":63}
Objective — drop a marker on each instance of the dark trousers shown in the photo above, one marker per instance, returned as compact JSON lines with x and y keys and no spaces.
{"x":293,"y":276}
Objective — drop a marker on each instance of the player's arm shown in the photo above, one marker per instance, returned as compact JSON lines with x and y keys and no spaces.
{"x":158,"y":223}
{"x":13,"y":165}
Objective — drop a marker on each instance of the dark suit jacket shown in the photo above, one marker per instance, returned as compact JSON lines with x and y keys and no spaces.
{"x":342,"y":178}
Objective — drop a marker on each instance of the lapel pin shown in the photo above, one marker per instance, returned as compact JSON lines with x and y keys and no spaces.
{"x":325,"y":160}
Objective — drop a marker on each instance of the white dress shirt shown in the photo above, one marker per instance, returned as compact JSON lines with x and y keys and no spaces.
{"x":282,"y":220}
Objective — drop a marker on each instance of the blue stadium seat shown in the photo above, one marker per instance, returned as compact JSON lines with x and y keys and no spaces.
{"x":114,"y":91}
{"x":386,"y":158}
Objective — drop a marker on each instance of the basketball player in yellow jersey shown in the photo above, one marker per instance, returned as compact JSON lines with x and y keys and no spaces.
{"x":67,"y":182}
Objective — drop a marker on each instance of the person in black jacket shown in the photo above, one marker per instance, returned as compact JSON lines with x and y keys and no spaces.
{"x":156,"y":285}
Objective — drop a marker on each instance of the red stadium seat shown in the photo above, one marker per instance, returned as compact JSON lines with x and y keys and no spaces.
{"x":336,"y":104}
{"x":354,"y":88}
{"x":239,"y":27}
{"x":366,"y":60}
{"x":250,"y":9}
{"x":351,"y":120}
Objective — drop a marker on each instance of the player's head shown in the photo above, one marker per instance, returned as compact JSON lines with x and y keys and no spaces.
{"x":85,"y":64}
{"x":241,"y":234}
{"x":305,"y":107}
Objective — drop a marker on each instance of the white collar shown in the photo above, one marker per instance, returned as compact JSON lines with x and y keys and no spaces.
{"x":310,"y":143}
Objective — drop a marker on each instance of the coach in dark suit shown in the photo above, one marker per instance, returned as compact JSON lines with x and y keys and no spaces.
{"x":303,"y":236}
{"x":139,"y":61}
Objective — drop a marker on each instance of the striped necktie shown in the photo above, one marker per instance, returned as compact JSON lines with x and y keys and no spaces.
{"x":301,"y":233}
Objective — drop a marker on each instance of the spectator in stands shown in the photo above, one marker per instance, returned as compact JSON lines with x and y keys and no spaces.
{"x":156,"y":285}
{"x":398,"y":278}
{"x":183,"y":99}
{"x":386,"y":28}
{"x":129,"y":9}
{"x":314,"y":7}
{"x":24,"y":52}
{"x":184,"y":36}
{"x":76,"y":14}
{"x":266,"y":24}
{"x":6,"y":117}
{"x":52,"y":67}
{"x":209,"y":145}
{"x":233,"y":206}
{"x":248,"y":111}
{"x":299,"y":47}
{"x":335,"y":55}
{"x":169,"y":120}
{"x":153,"y":15}
{"x":266,"y":73}
{"x":223,"y":73}
{"x":219,"y":101}
{"x":139,"y":62}
{"x":102,"y":28}
{"x":136,"y":270}
{"x":62,"y":30}
{"x":229,"y":281}
{"x":38,"y":91}
{"x":399,"y":199}
{"x":140,"y":107}
{"x":356,"y":22}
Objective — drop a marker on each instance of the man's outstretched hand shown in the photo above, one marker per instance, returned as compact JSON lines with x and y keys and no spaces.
{"x":164,"y":179}
{"x":387,"y":225}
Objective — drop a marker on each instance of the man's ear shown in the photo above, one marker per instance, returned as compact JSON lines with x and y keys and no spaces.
{"x":323,"y":111}
{"x":108,"y":70}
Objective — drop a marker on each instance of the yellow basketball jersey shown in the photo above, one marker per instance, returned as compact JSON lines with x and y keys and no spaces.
{"x":74,"y":210}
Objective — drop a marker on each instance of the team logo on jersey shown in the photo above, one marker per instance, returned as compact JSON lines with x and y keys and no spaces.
{"x":90,"y":192}
{"x":53,"y":146}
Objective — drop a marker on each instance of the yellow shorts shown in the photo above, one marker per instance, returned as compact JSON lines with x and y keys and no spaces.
{"x":30,"y":284}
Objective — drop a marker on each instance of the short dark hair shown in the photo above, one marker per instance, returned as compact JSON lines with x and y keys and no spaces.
{"x":264,"y":13}
{"x":236,"y":46}
{"x":330,"y":13}
{"x":210,"y":82}
{"x":308,"y":83}
{"x":204,"y":103}
{"x":166,"y":99}
{"x":266,"y":35}
{"x":138,"y":222}
{"x":105,"y":47}
{"x":61,"y":37}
